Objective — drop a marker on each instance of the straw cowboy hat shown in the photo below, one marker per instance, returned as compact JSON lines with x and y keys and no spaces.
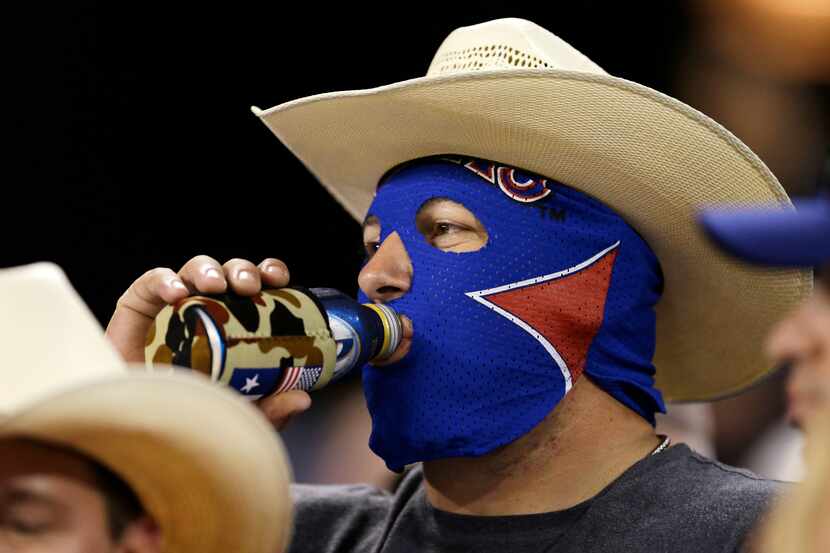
{"x":205,"y":464}
{"x":510,"y":91}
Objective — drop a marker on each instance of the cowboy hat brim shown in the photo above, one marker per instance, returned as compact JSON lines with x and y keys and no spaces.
{"x":651,"y":158}
{"x":204,"y":463}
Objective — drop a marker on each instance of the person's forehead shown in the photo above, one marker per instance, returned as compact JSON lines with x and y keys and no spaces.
{"x":36,"y":473}
{"x":24,"y":457}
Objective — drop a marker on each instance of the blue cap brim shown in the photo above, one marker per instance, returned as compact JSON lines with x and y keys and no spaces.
{"x":773,"y":237}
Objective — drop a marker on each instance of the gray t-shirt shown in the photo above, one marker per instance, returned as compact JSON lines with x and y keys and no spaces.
{"x":676,"y":501}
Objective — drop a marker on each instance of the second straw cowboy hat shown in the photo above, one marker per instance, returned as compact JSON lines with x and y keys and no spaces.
{"x":510,"y":91}
{"x":204,"y":463}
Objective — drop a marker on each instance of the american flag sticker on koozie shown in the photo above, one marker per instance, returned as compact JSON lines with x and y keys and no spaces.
{"x":254,"y":383}
{"x":309,"y":377}
{"x":300,"y":378}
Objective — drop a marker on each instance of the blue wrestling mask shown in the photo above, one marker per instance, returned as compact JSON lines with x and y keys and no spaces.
{"x":563,"y":287}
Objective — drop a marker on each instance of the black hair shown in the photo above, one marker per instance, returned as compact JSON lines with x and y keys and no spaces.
{"x":122,"y":504}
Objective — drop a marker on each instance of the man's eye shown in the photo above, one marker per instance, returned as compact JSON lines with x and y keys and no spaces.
{"x":25,"y":527}
{"x":449,"y":226}
{"x":371,"y":248}
{"x":442,"y":228}
{"x":22,"y":527}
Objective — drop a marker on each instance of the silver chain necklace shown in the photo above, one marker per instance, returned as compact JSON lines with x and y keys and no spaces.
{"x":663,"y":445}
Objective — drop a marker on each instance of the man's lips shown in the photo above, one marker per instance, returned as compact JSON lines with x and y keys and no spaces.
{"x":403,"y":348}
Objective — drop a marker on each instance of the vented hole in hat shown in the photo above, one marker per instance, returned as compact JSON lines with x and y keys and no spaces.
{"x":490,"y":56}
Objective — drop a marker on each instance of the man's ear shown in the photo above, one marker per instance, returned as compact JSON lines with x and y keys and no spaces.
{"x":142,"y":535}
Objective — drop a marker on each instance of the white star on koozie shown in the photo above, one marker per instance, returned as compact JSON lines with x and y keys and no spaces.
{"x":250,"y":383}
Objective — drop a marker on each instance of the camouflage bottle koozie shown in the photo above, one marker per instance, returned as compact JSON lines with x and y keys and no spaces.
{"x":275,"y":341}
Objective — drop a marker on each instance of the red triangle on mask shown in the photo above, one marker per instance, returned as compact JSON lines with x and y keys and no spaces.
{"x":565,"y":309}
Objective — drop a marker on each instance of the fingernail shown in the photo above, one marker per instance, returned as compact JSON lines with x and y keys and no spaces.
{"x":272,"y":269}
{"x":244,"y":275}
{"x":178,"y":284}
{"x":212,"y":273}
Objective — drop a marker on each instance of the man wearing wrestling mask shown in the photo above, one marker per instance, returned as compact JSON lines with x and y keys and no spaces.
{"x":533,"y":217}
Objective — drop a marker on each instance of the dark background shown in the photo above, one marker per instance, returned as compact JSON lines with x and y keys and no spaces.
{"x":132,"y":143}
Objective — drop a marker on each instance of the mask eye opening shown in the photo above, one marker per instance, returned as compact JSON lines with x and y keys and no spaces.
{"x":449,"y":226}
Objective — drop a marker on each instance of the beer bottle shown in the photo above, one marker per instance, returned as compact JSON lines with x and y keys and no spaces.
{"x":277,"y":340}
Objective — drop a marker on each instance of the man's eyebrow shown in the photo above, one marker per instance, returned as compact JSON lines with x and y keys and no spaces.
{"x":431,"y":202}
{"x":17,"y":495}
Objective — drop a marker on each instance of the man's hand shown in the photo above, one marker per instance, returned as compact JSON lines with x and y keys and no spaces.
{"x":151,"y":292}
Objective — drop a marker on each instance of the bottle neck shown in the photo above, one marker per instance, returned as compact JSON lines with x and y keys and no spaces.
{"x":392,"y":330}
